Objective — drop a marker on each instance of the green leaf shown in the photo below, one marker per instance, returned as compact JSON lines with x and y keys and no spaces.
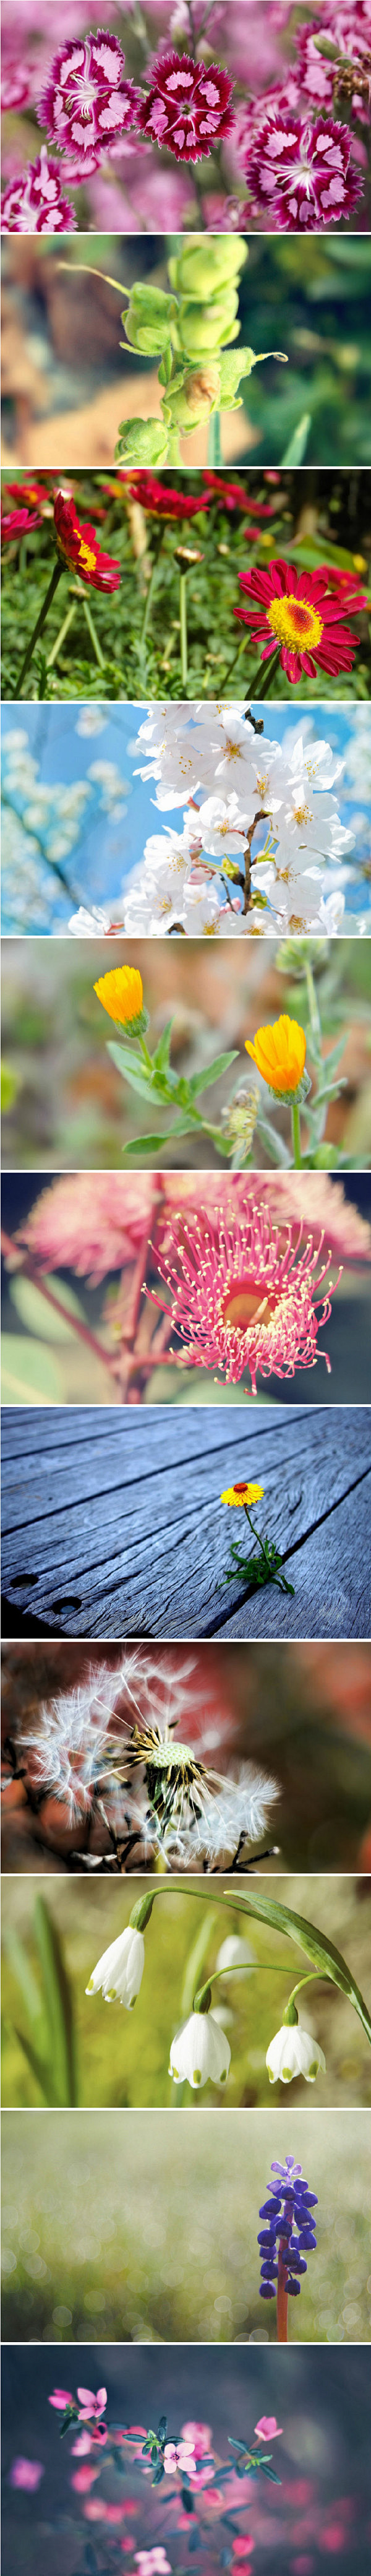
{"x":58,"y":2004}
{"x":316,"y":1945}
{"x":38,"y":2067}
{"x":212,"y":1073}
{"x":20,"y":1966}
{"x":30,"y":1373}
{"x":196,"y":1958}
{"x":161,"y":1057}
{"x":35,"y":1313}
{"x":145,"y":1144}
{"x":298,"y":443}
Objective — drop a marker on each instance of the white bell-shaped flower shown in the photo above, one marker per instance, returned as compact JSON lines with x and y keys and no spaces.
{"x":294,"y":2052}
{"x":119,"y":1972}
{"x":235,"y":1953}
{"x":200,"y":2052}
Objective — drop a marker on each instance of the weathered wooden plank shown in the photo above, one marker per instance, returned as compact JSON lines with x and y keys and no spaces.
{"x":158,"y":1443}
{"x":150,"y":1561}
{"x":331,"y":1573}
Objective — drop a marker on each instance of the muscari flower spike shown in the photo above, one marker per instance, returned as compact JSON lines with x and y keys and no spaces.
{"x":289,"y":2230}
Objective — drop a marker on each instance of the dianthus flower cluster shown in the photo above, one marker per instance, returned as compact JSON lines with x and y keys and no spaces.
{"x":275,"y":117}
{"x":261,"y":846}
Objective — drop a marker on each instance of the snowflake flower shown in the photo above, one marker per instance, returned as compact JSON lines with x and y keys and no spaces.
{"x":34,"y":204}
{"x":301,"y":172}
{"x":241,"y":1295}
{"x":298,"y":613}
{"x":81,"y":550}
{"x":86,"y":103}
{"x":187,"y":106}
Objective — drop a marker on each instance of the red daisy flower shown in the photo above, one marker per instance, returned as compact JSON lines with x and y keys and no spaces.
{"x":301,"y":172}
{"x":160,"y":499}
{"x":34,"y":203}
{"x":15,"y":523}
{"x":86,"y":102}
{"x":81,"y":550}
{"x":29,"y":494}
{"x":187,"y":106}
{"x":298,"y":612}
{"x":234,"y":498}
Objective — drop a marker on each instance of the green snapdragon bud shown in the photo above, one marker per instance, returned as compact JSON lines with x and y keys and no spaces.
{"x":141,"y":442}
{"x":148,"y":319}
{"x":201,"y":328}
{"x":203,"y":267}
{"x":195,"y":399}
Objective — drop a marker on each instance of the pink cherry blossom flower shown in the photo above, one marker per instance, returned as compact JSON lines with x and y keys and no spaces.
{"x":26,"y":2473}
{"x":61,"y":2398}
{"x":243,"y":1296}
{"x":267,"y":2429}
{"x":187,"y":106}
{"x":34,"y":204}
{"x":86,"y":102}
{"x":300,"y":172}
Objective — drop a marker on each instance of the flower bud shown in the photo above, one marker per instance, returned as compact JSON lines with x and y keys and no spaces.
{"x":148,"y":318}
{"x":294,"y":2052}
{"x":200,"y":2050}
{"x":196,"y":398}
{"x":204,"y":327}
{"x":119,"y":1971}
{"x":141,"y":442}
{"x":203,"y":267}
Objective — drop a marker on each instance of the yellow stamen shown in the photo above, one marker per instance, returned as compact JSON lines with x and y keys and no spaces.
{"x":294,"y":622}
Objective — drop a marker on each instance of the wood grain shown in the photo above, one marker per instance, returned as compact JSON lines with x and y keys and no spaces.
{"x":113,"y":1526}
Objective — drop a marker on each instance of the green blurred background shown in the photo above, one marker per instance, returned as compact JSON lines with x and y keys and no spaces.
{"x":62,"y":2046}
{"x":122,"y":2227}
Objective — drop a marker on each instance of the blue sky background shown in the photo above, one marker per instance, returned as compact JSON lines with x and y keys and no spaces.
{"x":108,"y":849}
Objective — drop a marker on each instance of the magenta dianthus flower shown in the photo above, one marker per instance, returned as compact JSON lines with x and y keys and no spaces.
{"x":240,"y":1297}
{"x":35,"y":204}
{"x":188,"y":106}
{"x":86,"y":103}
{"x":351,"y":32}
{"x":301,"y":172}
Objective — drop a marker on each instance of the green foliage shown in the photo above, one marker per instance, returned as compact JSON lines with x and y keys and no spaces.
{"x":48,"y":2044}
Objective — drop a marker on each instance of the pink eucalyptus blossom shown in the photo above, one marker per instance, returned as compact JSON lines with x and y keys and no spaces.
{"x":86,"y":102}
{"x":188,"y":106}
{"x":244,"y":1296}
{"x":35,"y":204}
{"x":300,"y":172}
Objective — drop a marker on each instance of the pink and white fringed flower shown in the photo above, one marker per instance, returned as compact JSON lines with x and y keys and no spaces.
{"x":86,"y":103}
{"x":351,"y":32}
{"x":188,"y":106}
{"x":301,"y":172}
{"x":35,"y":204}
{"x":242,"y":1295}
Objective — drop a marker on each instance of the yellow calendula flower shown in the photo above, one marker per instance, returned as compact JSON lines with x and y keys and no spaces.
{"x":121,"y":994}
{"x":279,"y":1051}
{"x":240,"y":1494}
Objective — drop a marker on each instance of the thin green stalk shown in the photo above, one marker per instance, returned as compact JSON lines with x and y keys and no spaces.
{"x":295,"y":1130}
{"x":183,"y":628}
{"x":156,"y":558}
{"x":261,"y":683}
{"x":40,"y":622}
{"x":63,"y":630}
{"x":100,"y":657}
{"x":214,"y":444}
{"x":315,"y":1022}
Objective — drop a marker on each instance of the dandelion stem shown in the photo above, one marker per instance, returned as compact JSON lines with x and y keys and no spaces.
{"x":295,"y":1129}
{"x":58,"y":568}
{"x":281,"y":2300}
{"x":183,"y":628}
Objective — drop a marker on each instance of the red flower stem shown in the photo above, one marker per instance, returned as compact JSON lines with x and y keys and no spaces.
{"x":281,"y":2300}
{"x":131,"y":1359}
{"x":30,"y":1271}
{"x":40,"y":622}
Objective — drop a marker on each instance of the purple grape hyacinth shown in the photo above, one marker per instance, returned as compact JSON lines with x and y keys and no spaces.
{"x":289,"y":2231}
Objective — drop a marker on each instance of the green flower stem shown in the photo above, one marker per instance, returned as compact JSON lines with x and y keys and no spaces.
{"x":261,"y":683}
{"x":214,"y":444}
{"x":158,"y":543}
{"x":58,"y":568}
{"x":316,"y":1031}
{"x":62,"y":631}
{"x":173,"y":453}
{"x":295,"y":1130}
{"x":183,"y":628}
{"x":270,"y":1912}
{"x":100,"y":657}
{"x":254,"y":1967}
{"x":319,"y":1973}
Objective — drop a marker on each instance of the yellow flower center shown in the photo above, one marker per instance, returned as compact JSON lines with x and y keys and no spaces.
{"x":243,"y":1304}
{"x":86,"y":558}
{"x":121,"y":994}
{"x":294,"y":622}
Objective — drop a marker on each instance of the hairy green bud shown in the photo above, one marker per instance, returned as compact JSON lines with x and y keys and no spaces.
{"x":201,"y":328}
{"x":202,"y":268}
{"x":148,"y":320}
{"x":141,"y":442}
{"x":194,"y":400}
